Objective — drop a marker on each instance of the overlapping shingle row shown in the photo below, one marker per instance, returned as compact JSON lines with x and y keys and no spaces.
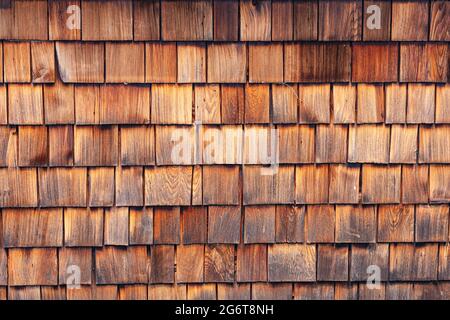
{"x":224,"y":149}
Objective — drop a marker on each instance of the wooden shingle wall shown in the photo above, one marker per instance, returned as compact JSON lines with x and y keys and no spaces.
{"x":224,"y":149}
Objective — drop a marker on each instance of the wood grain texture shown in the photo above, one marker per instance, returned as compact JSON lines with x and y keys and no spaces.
{"x":421,"y":103}
{"x":284,"y":103}
{"x":383,"y":33}
{"x":226,"y":192}
{"x":439,"y":183}
{"x":83,"y":227}
{"x":268,"y":189}
{"x":129,"y":186}
{"x":8,"y":146}
{"x":262,"y":69}
{"x":197,"y":186}
{"x":289,"y":224}
{"x":370,"y":106}
{"x":183,"y":21}
{"x":59,"y":103}
{"x":191,"y":63}
{"x":344,"y":103}
{"x":232,"y":103}
{"x":423,"y":63}
{"x":101,"y":187}
{"x":415,"y":184}
{"x":3,"y":102}
{"x":439,"y":19}
{"x":24,"y":293}
{"x":160,"y":62}
{"x":344,"y":184}
{"x":368,"y":143}
{"x":290,"y":149}
{"x":257,"y":103}
{"x":124,"y":104}
{"x":331,"y":143}
{"x":107,"y":20}
{"x":168,"y":186}
{"x":133,"y":292}
{"x":33,"y":146}
{"x":80,"y":62}
{"x":233,"y":291}
{"x":403,"y":144}
{"x":305,"y":20}
{"x":175,"y":145}
{"x":190,"y":263}
{"x":227,"y":63}
{"x":162,"y":265}
{"x":340,"y":20}
{"x":256,"y":21}
{"x":194,"y":225}
{"x":17,"y":62}
{"x":96,"y":146}
{"x":282,"y":20}
{"x":116,"y":226}
{"x":409,"y":262}
{"x":62,"y":187}
{"x":442,"y":104}
{"x":207,"y":104}
{"x":80,"y":257}
{"x":315,"y":291}
{"x":60,"y":140}
{"x":20,"y":189}
{"x":271,"y":291}
{"x":409,"y":20}
{"x":314,"y":103}
{"x":121,"y":265}
{"x":259,"y":224}
{"x":356,"y":224}
{"x":317,"y":62}
{"x":332,"y":263}
{"x":395,"y":223}
{"x":166,"y":225}
{"x":201,"y":291}
{"x":58,"y":14}
{"x":167,"y":292}
{"x":219,"y":263}
{"x":320,"y":224}
{"x":224,"y":224}
{"x":399,"y":291}
{"x":364,"y":256}
{"x":87,"y":104}
{"x":137,"y":145}
{"x":171,"y":104}
{"x":380,"y":184}
{"x":146,"y":20}
{"x":226,"y":20}
{"x":43,"y":62}
{"x":130,"y":72}
{"x":32,"y":228}
{"x":433,"y":144}
{"x":251,"y":263}
{"x":141,"y":226}
{"x":395,"y":103}
{"x":25,"y":104}
{"x":32,"y":267}
{"x":374,"y":63}
{"x":311,"y":177}
{"x":222,"y":144}
{"x":292,"y":262}
{"x":432,"y":223}
{"x":444,"y":262}
{"x":18,"y":20}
